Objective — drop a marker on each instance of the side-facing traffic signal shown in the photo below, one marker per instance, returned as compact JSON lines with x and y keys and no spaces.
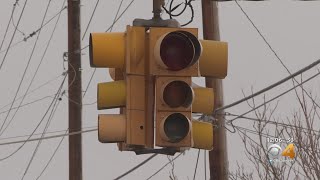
{"x":124,"y":52}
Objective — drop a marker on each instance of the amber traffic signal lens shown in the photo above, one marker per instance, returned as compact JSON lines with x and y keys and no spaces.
{"x":179,"y":50}
{"x":178,"y":94}
{"x":176,"y":127}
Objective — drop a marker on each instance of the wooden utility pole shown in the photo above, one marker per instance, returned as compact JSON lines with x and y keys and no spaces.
{"x":218,"y":158}
{"x":75,"y":89}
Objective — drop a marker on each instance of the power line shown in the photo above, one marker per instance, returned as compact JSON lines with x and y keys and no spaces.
{"x":95,"y":69}
{"x":12,"y":20}
{"x":14,"y":33}
{"x":276,"y":97}
{"x":25,"y":70}
{"x":50,"y":132}
{"x":28,"y":103}
{"x":35,"y":31}
{"x":274,"y":52}
{"x":29,"y":138}
{"x":39,"y":64}
{"x":110,"y":27}
{"x":94,"y":10}
{"x":195,"y":169}
{"x":136,"y":167}
{"x":274,"y":122}
{"x":52,"y":113}
{"x":47,"y":137}
{"x":205,"y":164}
{"x":164,"y":166}
{"x":8,"y":25}
{"x":52,"y":156}
{"x":33,"y":90}
{"x":271,"y":86}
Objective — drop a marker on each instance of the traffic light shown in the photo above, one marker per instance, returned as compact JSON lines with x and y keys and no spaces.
{"x":124,"y":55}
{"x":176,"y":55}
{"x":152,"y":69}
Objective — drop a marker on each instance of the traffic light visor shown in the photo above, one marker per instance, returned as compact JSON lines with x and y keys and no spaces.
{"x":111,"y":128}
{"x":111,"y":95}
{"x":202,"y":134}
{"x":175,"y":127}
{"x":107,"y":50}
{"x":177,"y":50}
{"x":214,"y":59}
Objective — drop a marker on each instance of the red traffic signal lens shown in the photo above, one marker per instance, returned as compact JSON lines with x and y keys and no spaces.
{"x":179,"y":50}
{"x":176,"y":127}
{"x":177,"y":94}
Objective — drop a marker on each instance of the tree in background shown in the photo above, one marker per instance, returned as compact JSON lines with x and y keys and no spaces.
{"x":302,"y":126}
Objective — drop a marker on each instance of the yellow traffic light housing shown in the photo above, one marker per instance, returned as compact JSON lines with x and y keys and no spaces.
{"x":124,"y":52}
{"x":153,"y":69}
{"x":176,"y":55}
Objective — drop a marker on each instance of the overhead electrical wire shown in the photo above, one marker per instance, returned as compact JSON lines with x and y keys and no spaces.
{"x":274,"y":123}
{"x":8,"y":25}
{"x":26,"y":69}
{"x":50,"y":132}
{"x":276,"y":97}
{"x":33,"y":90}
{"x":43,"y":117}
{"x":164,"y":166}
{"x":125,"y":10}
{"x":38,"y":66}
{"x":29,"y":103}
{"x":34,"y":32}
{"x":275,"y":53}
{"x":195,"y":169}
{"x":12,"y":20}
{"x":52,"y":156}
{"x":136,"y":167}
{"x":29,"y":139}
{"x":94,"y":10}
{"x":271,"y":86}
{"x":14,"y":33}
{"x":111,"y":27}
{"x":51,"y":115}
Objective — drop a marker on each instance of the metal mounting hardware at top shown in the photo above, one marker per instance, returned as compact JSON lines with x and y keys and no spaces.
{"x":156,"y":22}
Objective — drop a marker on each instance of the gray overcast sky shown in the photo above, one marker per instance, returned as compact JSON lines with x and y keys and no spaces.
{"x":292,"y":29}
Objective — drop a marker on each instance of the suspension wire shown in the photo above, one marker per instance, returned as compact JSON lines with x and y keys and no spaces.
{"x":195,"y":169}
{"x":125,"y":10}
{"x":47,"y":137}
{"x":95,"y":69}
{"x":24,"y":74}
{"x":38,"y":67}
{"x":274,"y":122}
{"x":50,"y":132}
{"x":136,"y":167}
{"x":276,"y":97}
{"x":25,"y":39}
{"x":14,"y":33}
{"x":8,"y":25}
{"x":52,"y":156}
{"x":164,"y":166}
{"x":276,"y":55}
{"x":29,"y":138}
{"x":94,"y":10}
{"x":270,"y":87}
{"x":52,"y":113}
{"x":205,"y":164}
